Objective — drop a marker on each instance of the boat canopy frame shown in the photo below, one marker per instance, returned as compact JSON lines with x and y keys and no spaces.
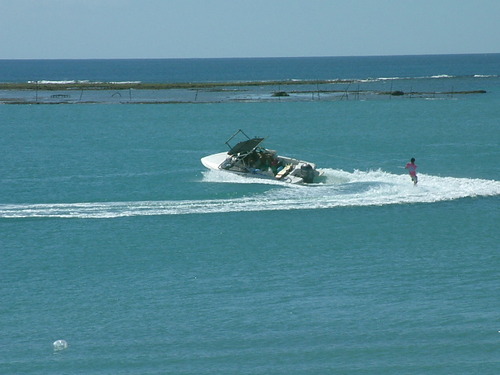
{"x":244,"y":147}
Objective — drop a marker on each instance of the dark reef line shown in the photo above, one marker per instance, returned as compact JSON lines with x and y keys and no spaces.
{"x":49,"y":86}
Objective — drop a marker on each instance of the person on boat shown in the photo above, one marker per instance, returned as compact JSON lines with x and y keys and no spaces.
{"x":260,"y":163}
{"x":275,"y":165}
{"x":412,"y":169}
{"x":251,"y":159}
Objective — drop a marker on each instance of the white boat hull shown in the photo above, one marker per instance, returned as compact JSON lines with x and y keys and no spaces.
{"x":292,"y":175}
{"x":214,"y":161}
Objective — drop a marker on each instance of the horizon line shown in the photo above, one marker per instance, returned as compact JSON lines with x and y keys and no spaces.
{"x":241,"y":57}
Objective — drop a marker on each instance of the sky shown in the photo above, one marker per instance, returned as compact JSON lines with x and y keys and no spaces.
{"x":93,"y":29}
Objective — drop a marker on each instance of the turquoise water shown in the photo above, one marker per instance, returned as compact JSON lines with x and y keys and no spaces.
{"x":114,"y":238}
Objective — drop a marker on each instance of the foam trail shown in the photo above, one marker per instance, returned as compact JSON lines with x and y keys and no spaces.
{"x":340,"y":189}
{"x":224,"y":177}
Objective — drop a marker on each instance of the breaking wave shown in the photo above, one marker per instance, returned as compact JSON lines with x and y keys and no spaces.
{"x":339,"y":189}
{"x":74,"y":81}
{"x":294,"y":80}
{"x":421,"y":78}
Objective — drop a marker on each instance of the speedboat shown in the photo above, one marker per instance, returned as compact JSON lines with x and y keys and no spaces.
{"x":249,"y":158}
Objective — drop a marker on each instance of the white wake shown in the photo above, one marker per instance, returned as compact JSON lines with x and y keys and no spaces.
{"x":339,"y":189}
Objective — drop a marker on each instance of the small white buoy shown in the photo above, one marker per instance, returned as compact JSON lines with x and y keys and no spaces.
{"x":60,"y":345}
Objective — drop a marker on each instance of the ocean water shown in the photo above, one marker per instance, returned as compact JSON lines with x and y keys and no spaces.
{"x":115,"y":238}
{"x":342,"y":78}
{"x":250,"y":69}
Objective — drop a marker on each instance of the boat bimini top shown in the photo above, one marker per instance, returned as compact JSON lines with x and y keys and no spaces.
{"x":244,"y":147}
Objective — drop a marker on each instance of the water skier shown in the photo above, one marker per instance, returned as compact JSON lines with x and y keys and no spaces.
{"x":412,"y":169}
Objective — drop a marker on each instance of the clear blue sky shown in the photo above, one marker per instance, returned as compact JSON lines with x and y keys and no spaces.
{"x":74,"y":29}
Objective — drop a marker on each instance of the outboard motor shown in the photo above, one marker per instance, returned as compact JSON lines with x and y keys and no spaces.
{"x":307,"y":173}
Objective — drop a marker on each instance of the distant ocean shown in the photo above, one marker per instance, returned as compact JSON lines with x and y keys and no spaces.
{"x":250,"y":69}
{"x":114,"y":238}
